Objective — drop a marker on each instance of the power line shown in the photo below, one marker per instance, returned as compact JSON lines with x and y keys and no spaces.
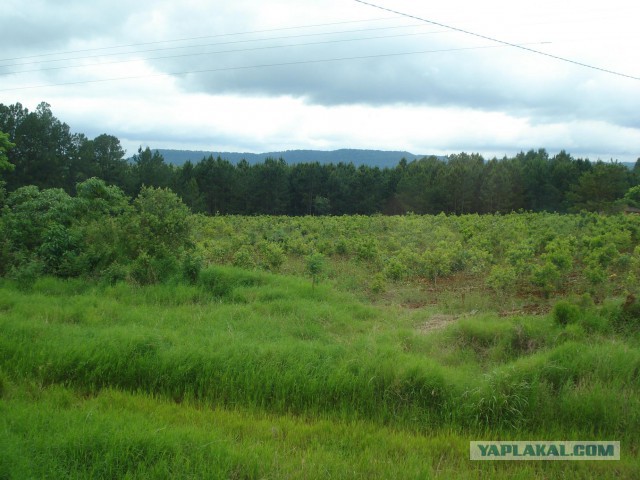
{"x":269,"y":47}
{"x":248,"y":67}
{"x":492,"y":39}
{"x":235,"y":42}
{"x":67,"y":52}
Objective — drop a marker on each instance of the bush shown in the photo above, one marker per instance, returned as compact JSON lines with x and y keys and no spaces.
{"x":243,"y":258}
{"x":395,"y":269}
{"x":594,"y":323}
{"x":159,"y":223}
{"x":142,"y":271}
{"x":26,"y":274}
{"x":502,"y":279}
{"x":191,"y":267}
{"x":627,"y":317}
{"x":273,"y":256}
{"x":315,"y":266}
{"x":114,"y":273}
{"x":565,"y":313}
{"x":547,"y":277}
{"x":378,"y":285}
{"x":147,"y":270}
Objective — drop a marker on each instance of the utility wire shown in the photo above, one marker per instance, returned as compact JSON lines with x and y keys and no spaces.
{"x":269,"y":47}
{"x":234,"y":42}
{"x":248,"y":67}
{"x":492,"y":39}
{"x":67,"y":52}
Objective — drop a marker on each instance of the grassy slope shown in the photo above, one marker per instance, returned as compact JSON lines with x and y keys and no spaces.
{"x":251,"y":375}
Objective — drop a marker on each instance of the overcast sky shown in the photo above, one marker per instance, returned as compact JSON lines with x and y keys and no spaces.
{"x":255,"y":76}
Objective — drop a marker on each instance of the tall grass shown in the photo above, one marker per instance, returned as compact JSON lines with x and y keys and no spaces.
{"x":277,"y":344}
{"x":56,"y":433}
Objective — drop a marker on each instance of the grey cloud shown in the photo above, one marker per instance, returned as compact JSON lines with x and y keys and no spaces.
{"x":488,"y":80}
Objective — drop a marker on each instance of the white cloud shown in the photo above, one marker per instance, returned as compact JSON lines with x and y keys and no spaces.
{"x":495,"y":101}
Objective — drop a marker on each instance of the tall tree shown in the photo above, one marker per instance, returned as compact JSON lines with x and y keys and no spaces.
{"x":109,"y":158}
{"x":43,"y":146}
{"x":269,"y":187}
{"x":217,"y":180}
{"x":421,"y":187}
{"x":597,"y":189}
{"x":463,"y":182}
{"x":149,"y":169}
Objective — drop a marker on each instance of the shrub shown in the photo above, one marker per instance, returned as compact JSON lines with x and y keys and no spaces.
{"x":26,"y":274}
{"x":159,"y":223}
{"x":565,"y":313}
{"x":191,"y":267}
{"x":547,"y":277}
{"x":142,"y":271}
{"x":273,"y":256}
{"x":378,"y":285}
{"x":594,"y":323}
{"x":114,"y":273}
{"x":315,"y":266}
{"x":395,"y":269}
{"x":243,"y":258}
{"x":628,"y":315}
{"x":502,"y":279}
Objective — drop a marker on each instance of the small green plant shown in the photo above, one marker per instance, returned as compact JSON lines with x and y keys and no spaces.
{"x":191,"y":267}
{"x":502,"y":279}
{"x":114,"y":273}
{"x":627,"y":316}
{"x":273,"y":256}
{"x":143,"y":270}
{"x":395,"y":269}
{"x":378,"y":285}
{"x":315,"y":266}
{"x":243,"y":258}
{"x":565,"y":312}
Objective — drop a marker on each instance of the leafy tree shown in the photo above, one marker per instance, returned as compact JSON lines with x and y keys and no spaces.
{"x":159,"y":224}
{"x":632,"y":197}
{"x":5,"y":165}
{"x":38,"y":228}
{"x":5,"y":146}
{"x":42,"y":146}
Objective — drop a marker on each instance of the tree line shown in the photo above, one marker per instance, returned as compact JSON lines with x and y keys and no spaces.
{"x":46,"y":154}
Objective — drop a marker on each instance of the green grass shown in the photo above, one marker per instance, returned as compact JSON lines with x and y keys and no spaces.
{"x":121,"y":435}
{"x":254,"y":375}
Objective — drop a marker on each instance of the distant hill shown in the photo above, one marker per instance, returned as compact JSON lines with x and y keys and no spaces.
{"x":374,"y":158}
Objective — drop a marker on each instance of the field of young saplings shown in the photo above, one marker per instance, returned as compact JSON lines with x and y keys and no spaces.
{"x":332,"y":347}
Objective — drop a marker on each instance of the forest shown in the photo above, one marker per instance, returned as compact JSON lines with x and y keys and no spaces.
{"x":48,"y":155}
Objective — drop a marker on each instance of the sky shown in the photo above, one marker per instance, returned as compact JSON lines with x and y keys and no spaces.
{"x":255,"y":76}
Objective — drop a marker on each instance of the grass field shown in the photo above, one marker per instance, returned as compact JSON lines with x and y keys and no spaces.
{"x":249,"y":374}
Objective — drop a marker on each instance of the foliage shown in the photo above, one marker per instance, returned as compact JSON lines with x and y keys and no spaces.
{"x":158,"y":224}
{"x":565,"y":313}
{"x":48,"y":155}
{"x":315,"y":266}
{"x":5,"y":146}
